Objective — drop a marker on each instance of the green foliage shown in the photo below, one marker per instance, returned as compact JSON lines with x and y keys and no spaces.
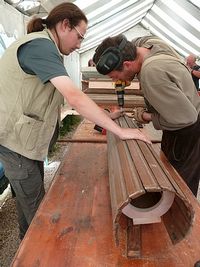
{"x":69,"y":123}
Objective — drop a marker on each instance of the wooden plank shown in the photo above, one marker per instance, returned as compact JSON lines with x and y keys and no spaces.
{"x":156,"y":167}
{"x":133,"y":240}
{"x":177,"y":227}
{"x":109,"y":99}
{"x":117,"y":187}
{"x":129,"y":170}
{"x":147,"y":178}
{"x":111,"y":85}
{"x":174,"y":177}
{"x":111,"y":91}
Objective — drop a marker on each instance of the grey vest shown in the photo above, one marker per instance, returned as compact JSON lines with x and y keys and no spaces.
{"x":28,"y":108}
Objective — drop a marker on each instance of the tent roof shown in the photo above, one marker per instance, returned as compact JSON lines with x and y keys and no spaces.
{"x":176,"y":21}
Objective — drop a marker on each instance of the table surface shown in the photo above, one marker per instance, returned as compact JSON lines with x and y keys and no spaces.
{"x":73,"y":226}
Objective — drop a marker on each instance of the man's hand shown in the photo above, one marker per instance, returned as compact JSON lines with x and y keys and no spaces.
{"x":141,"y":115}
{"x":129,"y":133}
{"x":116,"y":114}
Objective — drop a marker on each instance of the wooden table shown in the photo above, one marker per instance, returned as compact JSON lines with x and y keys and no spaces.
{"x":73,"y":226}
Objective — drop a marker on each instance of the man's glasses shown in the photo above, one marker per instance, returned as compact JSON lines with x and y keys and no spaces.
{"x":81,"y":36}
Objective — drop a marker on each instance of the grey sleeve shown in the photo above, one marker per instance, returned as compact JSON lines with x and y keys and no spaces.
{"x":40,"y":57}
{"x":173,"y":108}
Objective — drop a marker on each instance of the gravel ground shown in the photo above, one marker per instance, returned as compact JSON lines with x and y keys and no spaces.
{"x":9,"y":240}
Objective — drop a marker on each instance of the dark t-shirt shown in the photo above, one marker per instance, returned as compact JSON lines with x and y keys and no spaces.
{"x":196,"y":79}
{"x":40,"y":57}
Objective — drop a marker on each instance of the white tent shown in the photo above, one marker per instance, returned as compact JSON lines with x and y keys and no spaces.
{"x":176,"y":21}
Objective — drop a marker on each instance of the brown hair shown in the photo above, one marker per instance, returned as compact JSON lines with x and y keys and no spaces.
{"x":128,"y":52}
{"x":63,"y":11}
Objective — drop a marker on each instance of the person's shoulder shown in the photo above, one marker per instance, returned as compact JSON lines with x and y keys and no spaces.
{"x":140,"y":41}
{"x":42,"y":42}
{"x":42,"y":46}
{"x":146,"y":41}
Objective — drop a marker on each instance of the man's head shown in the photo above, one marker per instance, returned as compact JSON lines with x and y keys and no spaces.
{"x":191,"y":60}
{"x":111,"y":55}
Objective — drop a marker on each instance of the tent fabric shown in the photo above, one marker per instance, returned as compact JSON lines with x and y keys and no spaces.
{"x":176,"y":21}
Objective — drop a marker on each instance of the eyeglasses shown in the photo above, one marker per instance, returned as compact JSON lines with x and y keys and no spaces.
{"x":81,"y":37}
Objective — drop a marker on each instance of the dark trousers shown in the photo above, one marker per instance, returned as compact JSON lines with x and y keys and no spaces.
{"x":182,"y":149}
{"x":26,"y":177}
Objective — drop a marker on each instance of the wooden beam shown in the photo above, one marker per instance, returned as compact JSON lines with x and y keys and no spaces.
{"x":133,"y":240}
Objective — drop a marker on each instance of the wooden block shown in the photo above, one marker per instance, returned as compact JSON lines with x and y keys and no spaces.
{"x":133,"y":240}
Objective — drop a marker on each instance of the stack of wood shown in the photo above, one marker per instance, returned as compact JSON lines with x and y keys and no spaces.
{"x":102,"y":90}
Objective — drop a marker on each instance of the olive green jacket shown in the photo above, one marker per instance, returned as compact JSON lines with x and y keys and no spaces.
{"x":28,"y":108}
